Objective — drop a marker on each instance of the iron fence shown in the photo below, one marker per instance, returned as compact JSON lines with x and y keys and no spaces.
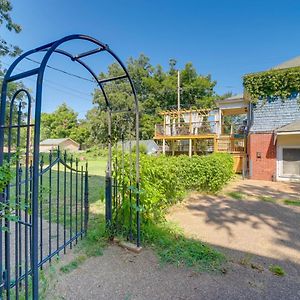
{"x":61,"y":205}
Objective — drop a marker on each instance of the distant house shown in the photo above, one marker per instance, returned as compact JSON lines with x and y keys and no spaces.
{"x":64,"y":144}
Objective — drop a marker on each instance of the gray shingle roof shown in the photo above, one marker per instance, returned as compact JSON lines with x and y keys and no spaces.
{"x":235,"y":97}
{"x":294,"y":126}
{"x":294,"y":62}
{"x":232,"y":98}
{"x":53,"y":142}
{"x":150,"y":145}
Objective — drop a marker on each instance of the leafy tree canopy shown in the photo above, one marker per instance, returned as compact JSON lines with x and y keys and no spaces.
{"x":156,"y":90}
{"x":6,"y":20}
{"x":64,"y":123}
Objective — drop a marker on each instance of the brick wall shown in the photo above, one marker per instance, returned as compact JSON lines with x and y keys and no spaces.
{"x":263,"y":167}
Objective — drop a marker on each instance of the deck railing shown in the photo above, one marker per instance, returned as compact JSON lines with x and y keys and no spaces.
{"x":184,"y":129}
{"x":231,"y":144}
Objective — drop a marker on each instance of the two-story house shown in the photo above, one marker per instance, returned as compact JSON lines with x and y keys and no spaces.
{"x":265,"y":144}
{"x":273,"y":144}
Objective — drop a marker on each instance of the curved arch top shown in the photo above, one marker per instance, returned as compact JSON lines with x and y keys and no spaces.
{"x":52,"y":47}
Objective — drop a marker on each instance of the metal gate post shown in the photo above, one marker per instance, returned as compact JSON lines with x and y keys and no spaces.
{"x":2,"y":123}
{"x":108,"y":200}
{"x":35,"y":191}
{"x":108,"y":178}
{"x":86,"y":200}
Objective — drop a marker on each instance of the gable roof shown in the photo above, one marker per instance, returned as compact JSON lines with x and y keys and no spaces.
{"x":292,"y":63}
{"x":292,"y":127}
{"x":55,"y":142}
{"x":235,"y":97}
{"x":150,"y":145}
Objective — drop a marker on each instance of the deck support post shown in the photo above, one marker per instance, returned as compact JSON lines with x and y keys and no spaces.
{"x":164,"y":147}
{"x":173,"y":148}
{"x":190,"y":147}
{"x":216,"y":144}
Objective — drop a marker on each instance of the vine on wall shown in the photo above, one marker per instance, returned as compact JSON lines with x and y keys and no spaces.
{"x":283,"y":84}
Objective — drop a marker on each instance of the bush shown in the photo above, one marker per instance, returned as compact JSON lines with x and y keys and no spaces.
{"x":95,"y":152}
{"x":165,"y":180}
{"x":142,"y":149}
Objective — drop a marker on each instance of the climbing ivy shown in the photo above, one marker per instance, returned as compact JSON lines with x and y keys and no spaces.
{"x":282,"y":84}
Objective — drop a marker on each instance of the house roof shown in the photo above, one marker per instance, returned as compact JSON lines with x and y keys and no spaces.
{"x":292,"y":127}
{"x":235,"y":97}
{"x":150,"y":145}
{"x":55,"y":142}
{"x":292,"y":63}
{"x":232,"y":99}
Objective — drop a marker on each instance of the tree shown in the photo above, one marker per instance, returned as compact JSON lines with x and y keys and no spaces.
{"x":156,"y":91}
{"x":5,"y":47}
{"x":60,"y":123}
{"x":8,"y":49}
{"x":6,"y":20}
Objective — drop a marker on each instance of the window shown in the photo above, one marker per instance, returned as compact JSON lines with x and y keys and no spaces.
{"x":291,"y":161}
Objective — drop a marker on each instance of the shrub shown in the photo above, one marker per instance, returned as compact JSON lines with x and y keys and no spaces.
{"x":142,"y":148}
{"x":95,"y":152}
{"x":165,"y":180}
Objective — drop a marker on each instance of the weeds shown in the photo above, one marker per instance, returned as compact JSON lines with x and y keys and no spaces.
{"x":236,"y":195}
{"x":173,"y":247}
{"x":246,"y":260}
{"x":267,"y":198}
{"x":277,"y":270}
{"x":74,"y":264}
{"x":291,"y":202}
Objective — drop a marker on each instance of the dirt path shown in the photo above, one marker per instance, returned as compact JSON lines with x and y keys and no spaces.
{"x":249,"y":225}
{"x":119,"y":274}
{"x":253,"y":233}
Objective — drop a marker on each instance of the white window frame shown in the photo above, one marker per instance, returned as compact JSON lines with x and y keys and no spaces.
{"x":279,"y":167}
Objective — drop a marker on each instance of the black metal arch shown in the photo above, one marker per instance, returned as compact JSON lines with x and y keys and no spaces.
{"x":49,"y":49}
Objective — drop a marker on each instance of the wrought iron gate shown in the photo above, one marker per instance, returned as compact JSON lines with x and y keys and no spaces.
{"x":28,"y":208}
{"x":62,"y":206}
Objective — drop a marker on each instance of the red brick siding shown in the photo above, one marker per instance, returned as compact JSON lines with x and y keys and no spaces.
{"x":263,"y":168}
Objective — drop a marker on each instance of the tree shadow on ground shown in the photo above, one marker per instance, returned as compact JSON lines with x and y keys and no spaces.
{"x":276,"y":190}
{"x":226,"y":213}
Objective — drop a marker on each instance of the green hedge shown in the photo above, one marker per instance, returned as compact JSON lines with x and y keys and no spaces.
{"x":165,"y":180}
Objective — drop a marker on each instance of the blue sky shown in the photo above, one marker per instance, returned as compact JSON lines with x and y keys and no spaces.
{"x":224,"y":38}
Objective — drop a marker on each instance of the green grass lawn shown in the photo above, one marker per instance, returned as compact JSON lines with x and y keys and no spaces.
{"x":96,"y":171}
{"x":63,"y":191}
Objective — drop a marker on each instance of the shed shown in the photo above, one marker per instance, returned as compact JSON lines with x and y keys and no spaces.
{"x":64,"y":144}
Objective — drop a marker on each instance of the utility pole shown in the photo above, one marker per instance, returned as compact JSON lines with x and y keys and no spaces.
{"x":178,"y":96}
